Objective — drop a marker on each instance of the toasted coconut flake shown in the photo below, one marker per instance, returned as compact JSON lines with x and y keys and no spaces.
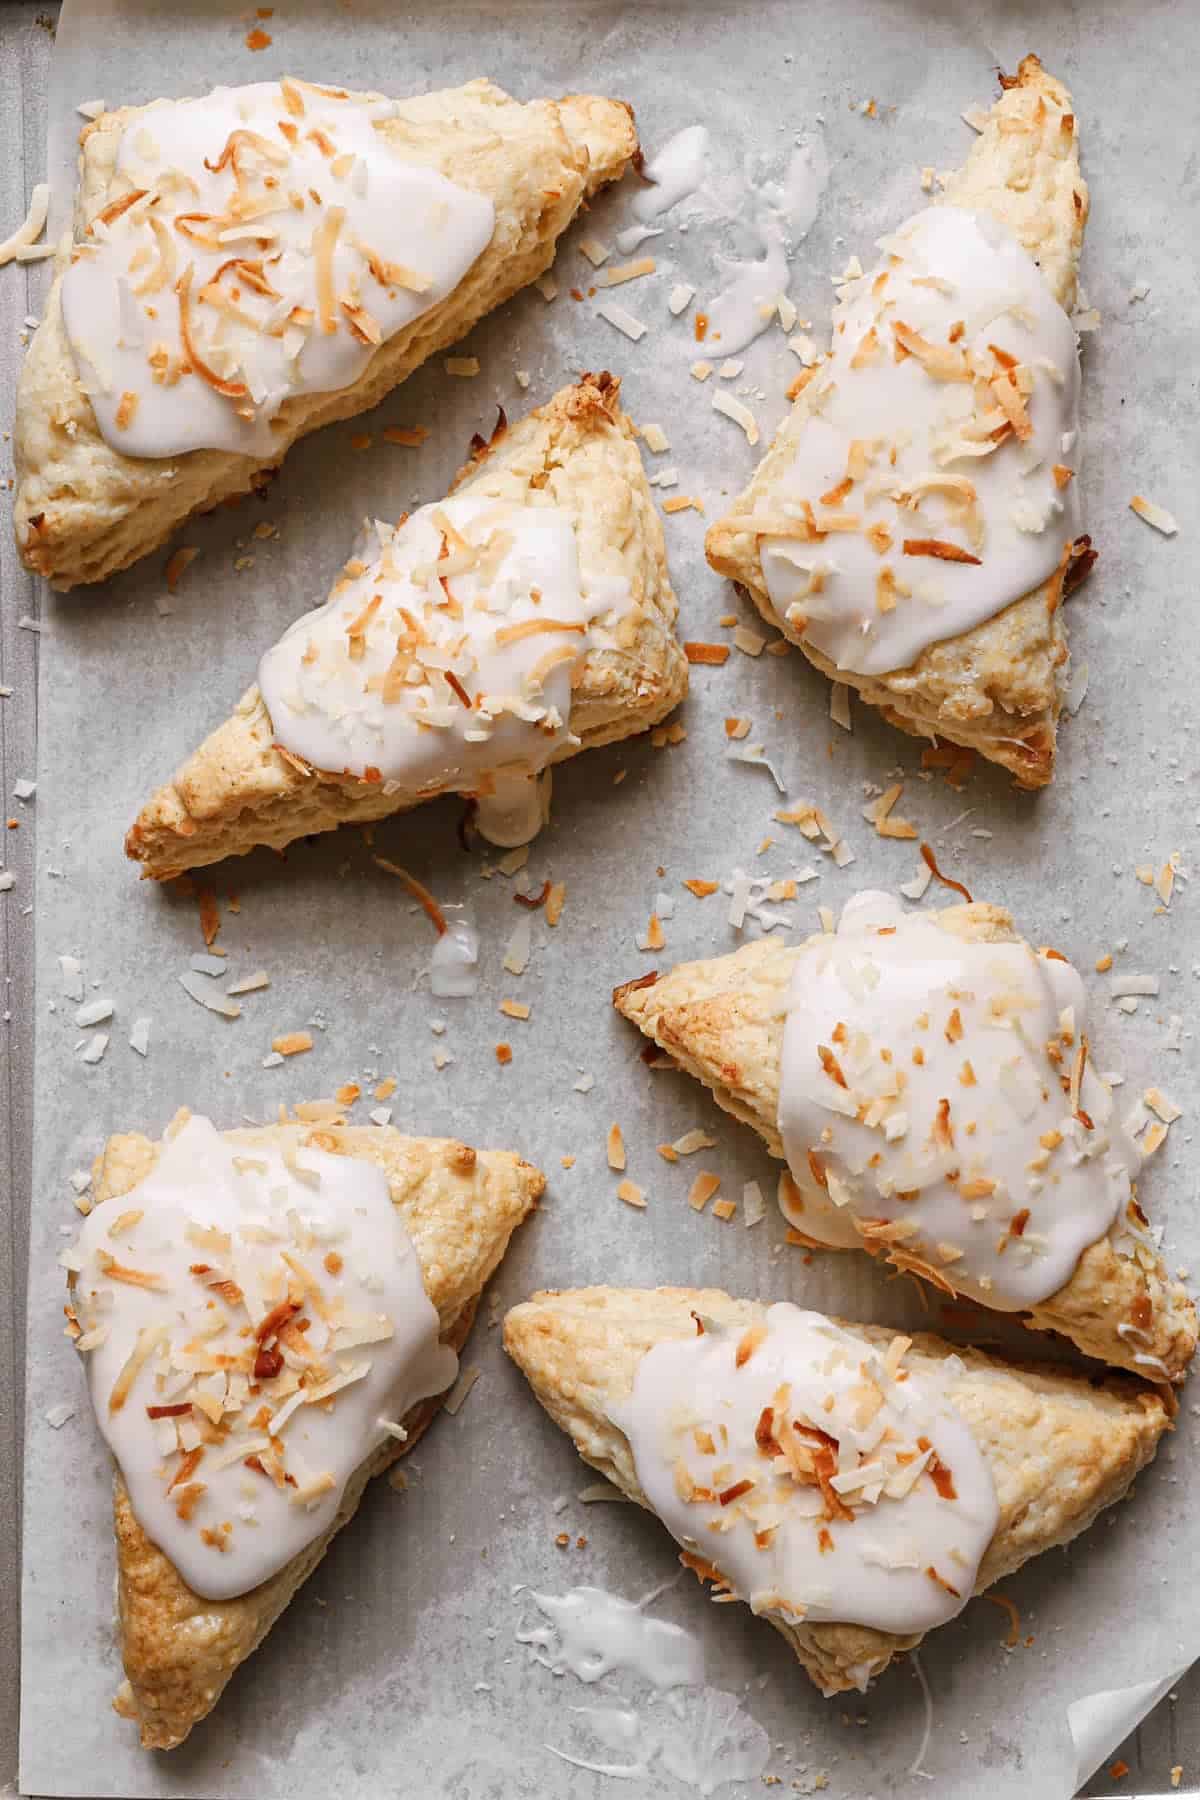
{"x":630,"y":271}
{"x":702,"y":889}
{"x":32,"y":227}
{"x":714,"y":654}
{"x":419,"y":892}
{"x":937,"y":547}
{"x":1158,"y":516}
{"x":147,"y":1341}
{"x":683,"y":503}
{"x":462,"y":1387}
{"x":736,"y":410}
{"x":556,"y":899}
{"x":615,"y":1148}
{"x":292,"y":1043}
{"x":631,"y":1194}
{"x":702,"y":1190}
{"x":178,"y":564}
{"x":622,"y":320}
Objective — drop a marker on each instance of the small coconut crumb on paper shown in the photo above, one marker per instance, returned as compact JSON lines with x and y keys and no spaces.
{"x":202,"y":991}
{"x":701,"y":370}
{"x":464,"y":366}
{"x":754,"y":1207}
{"x":602,"y":1492}
{"x":749,"y":642}
{"x":654,"y":938}
{"x":801,"y":345}
{"x":94,"y":1012}
{"x":730,"y":369}
{"x":693,"y":1140}
{"x":839,"y":705}
{"x":1158,"y":516}
{"x":702,"y":1190}
{"x":585,"y":1084}
{"x":1174,"y":1037}
{"x":250,"y":984}
{"x":724,"y":1209}
{"x":631,"y":1194}
{"x":204,"y":964}
{"x":24,"y":789}
{"x":30,"y":230}
{"x":72,"y":977}
{"x":756,"y":756}
{"x":547,"y":287}
{"x":139,"y":1036}
{"x":514,"y":1009}
{"x":684,"y":503}
{"x":1164,"y":1107}
{"x":512,"y":860}
{"x":615,"y":1148}
{"x":664,"y":478}
{"x":7,"y":881}
{"x":461,"y":1389}
{"x":1123,"y":987}
{"x":292,"y":1043}
{"x":57,"y":1416}
{"x":927,"y":179}
{"x":95,"y":1048}
{"x":596,"y":250}
{"x":1077,"y":688}
{"x":380,"y":1115}
{"x":519,"y":948}
{"x":178,"y":564}
{"x":879,"y":814}
{"x":443,"y":1058}
{"x":556,"y":899}
{"x":622,"y":320}
{"x":737,"y":728}
{"x":1164,"y":881}
{"x":736,"y":410}
{"x":680,"y":298}
{"x":655,"y":439}
{"x":522,"y":378}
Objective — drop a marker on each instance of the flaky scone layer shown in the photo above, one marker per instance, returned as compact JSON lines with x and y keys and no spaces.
{"x":460,"y":1206}
{"x":1060,"y":1447}
{"x":723,"y":1021}
{"x":83,"y":510}
{"x":236,"y":791}
{"x":997,"y":688}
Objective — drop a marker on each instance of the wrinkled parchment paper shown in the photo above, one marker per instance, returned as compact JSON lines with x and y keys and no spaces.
{"x":395,"y":1669}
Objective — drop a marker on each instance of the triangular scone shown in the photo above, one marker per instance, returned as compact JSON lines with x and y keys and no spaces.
{"x":84,"y":508}
{"x":1059,"y":1447}
{"x":724,"y":1019}
{"x":997,"y":686}
{"x":576,"y":456}
{"x":459,"y":1207}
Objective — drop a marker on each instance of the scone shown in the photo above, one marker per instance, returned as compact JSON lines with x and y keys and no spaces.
{"x":269,"y":1318}
{"x":930,"y":1081}
{"x":263,"y":261}
{"x":853,"y":1486}
{"x":527,"y":617}
{"x":915,"y":525}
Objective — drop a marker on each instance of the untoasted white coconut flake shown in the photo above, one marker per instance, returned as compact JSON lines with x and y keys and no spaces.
{"x":750,"y":643}
{"x":1127,"y":1003}
{"x":24,"y":789}
{"x":602,"y":1491}
{"x":1122,"y":986}
{"x":756,"y":756}
{"x":976,"y":117}
{"x":680,"y":298}
{"x":204,"y":994}
{"x":622,"y":319}
{"x":1077,"y":688}
{"x":95,"y":1048}
{"x":72,"y":977}
{"x":734,"y":409}
{"x":655,"y":439}
{"x":95,"y":1012}
{"x":1087,"y":320}
{"x":842,"y":854}
{"x":693,"y":1140}
{"x":805,"y":348}
{"x":33,"y":226}
{"x":754,"y":1207}
{"x":1174,"y":1037}
{"x":91,"y":109}
{"x":381,"y":1115}
{"x":512,"y":860}
{"x":7,"y":881}
{"x":208,"y":965}
{"x":461,"y":1389}
{"x":547,"y":287}
{"x":523,"y":377}
{"x":81,"y":1180}
{"x":585,"y":1084}
{"x":596,"y":251}
{"x":520,"y":947}
{"x":57,"y":1416}
{"x":272,"y":1060}
{"x":250,"y":984}
{"x":915,"y":889}
{"x":839,"y":705}
{"x":1163,"y":1106}
{"x":1158,"y":516}
{"x":139,"y":1036}
{"x":730,"y":370}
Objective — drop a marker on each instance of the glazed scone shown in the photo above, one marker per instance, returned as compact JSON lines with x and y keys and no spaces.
{"x":928,"y":1079}
{"x":567,"y":484}
{"x":465,"y":193}
{"x":744,"y":1427}
{"x":358,"y":1256}
{"x":914,"y":526}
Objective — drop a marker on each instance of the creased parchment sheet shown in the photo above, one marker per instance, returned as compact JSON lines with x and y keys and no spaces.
{"x":395,"y":1668}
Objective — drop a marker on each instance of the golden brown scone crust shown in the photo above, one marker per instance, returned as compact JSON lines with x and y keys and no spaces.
{"x":1060,"y":1447}
{"x":580,"y":451}
{"x":83,"y":510}
{"x":722,"y":1020}
{"x":997,"y":688}
{"x":460,"y":1207}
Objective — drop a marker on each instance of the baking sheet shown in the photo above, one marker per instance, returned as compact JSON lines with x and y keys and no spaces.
{"x":397,"y":1661}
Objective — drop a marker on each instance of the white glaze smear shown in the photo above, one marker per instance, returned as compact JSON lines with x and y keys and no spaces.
{"x":938,"y":1104}
{"x":254,"y":1321}
{"x":274,"y":242}
{"x":675,"y":172}
{"x":818,"y":1476}
{"x":592,"y":1633}
{"x":933,"y":482}
{"x":444,"y":659}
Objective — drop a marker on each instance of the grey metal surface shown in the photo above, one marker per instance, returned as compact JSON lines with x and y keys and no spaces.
{"x":1169,"y":1738}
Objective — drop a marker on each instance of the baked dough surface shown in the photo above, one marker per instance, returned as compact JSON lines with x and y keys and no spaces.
{"x":1060,"y":1447}
{"x":460,"y":1207}
{"x":236,"y":791}
{"x":997,"y":688}
{"x":83,"y":510}
{"x":723,"y":1020}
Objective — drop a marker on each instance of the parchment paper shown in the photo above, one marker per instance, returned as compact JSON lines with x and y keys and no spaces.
{"x":395,"y":1669}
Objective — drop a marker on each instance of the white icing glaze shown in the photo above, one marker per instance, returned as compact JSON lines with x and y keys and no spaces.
{"x":516,"y":809}
{"x":995,"y":1175}
{"x":357,"y":687}
{"x":592,"y":1633}
{"x":310,"y":1228}
{"x":314,"y":171}
{"x":803,"y":1410}
{"x":454,"y":960}
{"x":928,"y":449}
{"x":675,"y":172}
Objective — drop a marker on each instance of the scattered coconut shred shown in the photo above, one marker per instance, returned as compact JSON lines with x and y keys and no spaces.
{"x":22,"y":245}
{"x":1158,"y":516}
